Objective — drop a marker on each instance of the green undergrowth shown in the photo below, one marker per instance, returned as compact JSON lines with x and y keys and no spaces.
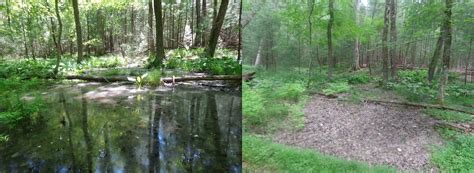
{"x":413,"y":85}
{"x":224,"y":63}
{"x":449,"y":116}
{"x":457,"y":155}
{"x":260,"y":155}
{"x":152,"y":78}
{"x":14,"y":109}
{"x":273,"y":97}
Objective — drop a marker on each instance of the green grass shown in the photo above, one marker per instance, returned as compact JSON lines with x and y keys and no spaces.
{"x":458,"y":153}
{"x":336,"y":88}
{"x":152,"y":78}
{"x":261,"y":155}
{"x":273,"y":97}
{"x":450,"y":116}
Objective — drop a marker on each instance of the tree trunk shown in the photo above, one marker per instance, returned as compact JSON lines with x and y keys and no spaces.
{"x":203,"y":23}
{"x":447,"y":51}
{"x":393,"y":38}
{"x":310,"y":25}
{"x":160,"y":51}
{"x":331,"y":60}
{"x":151,"y":45}
{"x":467,"y":63}
{"x":77,"y":21}
{"x":435,"y":58}
{"x":355,"y":63}
{"x":384,"y":41}
{"x":197,"y":39}
{"x":60,"y":30}
{"x":239,"y":49}
{"x":216,"y":28}
{"x":258,"y":58}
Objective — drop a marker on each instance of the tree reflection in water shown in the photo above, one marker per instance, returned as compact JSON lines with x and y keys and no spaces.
{"x":183,"y":130}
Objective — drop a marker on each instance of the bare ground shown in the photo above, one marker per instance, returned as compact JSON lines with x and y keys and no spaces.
{"x":377,"y":134}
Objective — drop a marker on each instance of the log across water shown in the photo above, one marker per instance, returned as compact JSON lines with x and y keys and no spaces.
{"x":165,"y":79}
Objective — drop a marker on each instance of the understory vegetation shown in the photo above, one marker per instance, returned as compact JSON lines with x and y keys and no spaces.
{"x":274,"y":97}
{"x":262,"y":155}
{"x":458,"y":153}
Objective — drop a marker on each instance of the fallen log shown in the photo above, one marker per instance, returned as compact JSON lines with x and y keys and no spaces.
{"x":102,"y":78}
{"x":400,"y":103}
{"x":420,"y":105}
{"x":165,"y":79}
{"x":194,"y":78}
{"x":248,"y":77}
{"x":462,"y":127}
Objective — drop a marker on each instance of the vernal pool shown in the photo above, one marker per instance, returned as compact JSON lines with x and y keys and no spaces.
{"x":120,"y":128}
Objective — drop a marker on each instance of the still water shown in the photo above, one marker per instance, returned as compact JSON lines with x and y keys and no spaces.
{"x":120,"y":128}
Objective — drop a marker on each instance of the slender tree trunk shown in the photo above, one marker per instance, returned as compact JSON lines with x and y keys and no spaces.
{"x":197,"y":39}
{"x":160,"y":51}
{"x":216,"y":28}
{"x":467,"y":63}
{"x":60,"y":30}
{"x":258,"y":58}
{"x":203,"y":23}
{"x":384,"y":41}
{"x":393,"y":39}
{"x":447,"y":51}
{"x":77,"y":21}
{"x":151,"y":44}
{"x":355,"y":65}
{"x":435,"y":58}
{"x":310,"y":25}
{"x":239,"y":49}
{"x":331,"y":59}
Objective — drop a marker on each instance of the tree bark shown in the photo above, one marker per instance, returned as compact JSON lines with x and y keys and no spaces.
{"x":216,"y":28}
{"x":435,"y":58}
{"x":384,"y":41}
{"x":446,"y":51}
{"x":197,"y":39}
{"x":77,"y":21}
{"x":331,"y":59}
{"x":393,"y":38}
{"x":467,"y":63}
{"x":60,"y":30}
{"x":160,"y":51}
{"x":355,"y":63}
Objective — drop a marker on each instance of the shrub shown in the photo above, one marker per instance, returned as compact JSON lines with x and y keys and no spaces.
{"x":152,"y":78}
{"x":291,"y":91}
{"x":336,"y":88}
{"x":252,"y":105}
{"x":457,"y":156}
{"x":359,"y":78}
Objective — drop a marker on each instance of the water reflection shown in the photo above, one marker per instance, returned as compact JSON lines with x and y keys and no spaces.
{"x":182,"y":130}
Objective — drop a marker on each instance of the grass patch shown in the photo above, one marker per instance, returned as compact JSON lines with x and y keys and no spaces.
{"x":152,"y":78}
{"x":336,"y":88}
{"x":273,"y":97}
{"x":457,"y":155}
{"x":450,"y":116}
{"x":263,"y":154}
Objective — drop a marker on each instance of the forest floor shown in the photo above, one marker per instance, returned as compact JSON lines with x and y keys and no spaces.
{"x":377,"y":134}
{"x":355,"y":123}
